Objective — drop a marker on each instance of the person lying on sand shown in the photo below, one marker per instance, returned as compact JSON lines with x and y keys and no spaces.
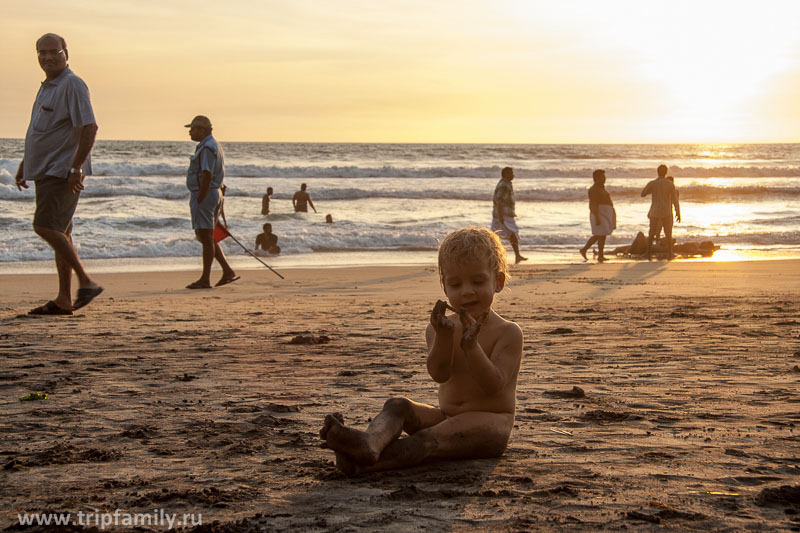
{"x":638,"y":248}
{"x":473,"y":354}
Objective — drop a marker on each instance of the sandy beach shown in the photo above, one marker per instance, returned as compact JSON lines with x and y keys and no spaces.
{"x":686,"y":416}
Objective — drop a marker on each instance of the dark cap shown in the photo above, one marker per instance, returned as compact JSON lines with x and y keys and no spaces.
{"x":200,"y":121}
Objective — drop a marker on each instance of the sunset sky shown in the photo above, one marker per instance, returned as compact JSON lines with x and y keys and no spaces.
{"x":420,"y":71}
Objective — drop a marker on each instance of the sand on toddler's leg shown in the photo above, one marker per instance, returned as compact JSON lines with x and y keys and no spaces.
{"x":352,"y":443}
{"x":346,"y":465}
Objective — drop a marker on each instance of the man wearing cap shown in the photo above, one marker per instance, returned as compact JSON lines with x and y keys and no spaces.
{"x":57,"y":145}
{"x":204,"y":179}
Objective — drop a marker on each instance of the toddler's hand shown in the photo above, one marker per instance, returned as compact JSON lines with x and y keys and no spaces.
{"x":438,"y":320}
{"x":470,"y":329}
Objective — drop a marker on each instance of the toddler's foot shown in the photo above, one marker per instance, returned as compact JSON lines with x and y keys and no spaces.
{"x":352,"y":443}
{"x":346,"y":465}
{"x":329,"y":420}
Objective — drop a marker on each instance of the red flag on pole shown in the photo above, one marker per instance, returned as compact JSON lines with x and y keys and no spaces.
{"x":220,"y":232}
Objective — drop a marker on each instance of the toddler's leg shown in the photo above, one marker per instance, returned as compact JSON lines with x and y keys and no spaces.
{"x":473,"y":435}
{"x":365,"y":447}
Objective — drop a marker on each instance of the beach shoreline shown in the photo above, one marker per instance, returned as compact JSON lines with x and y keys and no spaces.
{"x":199,"y":402}
{"x":239,"y":260}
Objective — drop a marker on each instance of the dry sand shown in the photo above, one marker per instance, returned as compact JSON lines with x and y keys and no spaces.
{"x":197,"y":402}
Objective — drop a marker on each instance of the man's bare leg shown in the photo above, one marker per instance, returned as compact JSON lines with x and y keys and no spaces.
{"x":655,"y":229}
{"x":219,"y":255}
{"x":601,"y":244}
{"x":67,"y":261}
{"x":365,"y":447}
{"x":206,"y":238}
{"x":589,"y":243}
{"x":668,"y":237}
{"x":515,"y":245}
{"x":64,"y":298}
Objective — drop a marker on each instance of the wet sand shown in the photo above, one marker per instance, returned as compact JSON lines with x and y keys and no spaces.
{"x":686,"y":416}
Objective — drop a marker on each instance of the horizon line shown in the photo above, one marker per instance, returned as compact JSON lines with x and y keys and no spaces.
{"x":661,"y":143}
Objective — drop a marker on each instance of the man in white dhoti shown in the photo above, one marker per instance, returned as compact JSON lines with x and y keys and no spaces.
{"x":503,"y":214}
{"x":602,"y":216}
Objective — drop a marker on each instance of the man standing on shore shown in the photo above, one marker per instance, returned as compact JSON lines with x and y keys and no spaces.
{"x":300,"y":199}
{"x":204,"y":180}
{"x":57,"y":145}
{"x":660,"y":214}
{"x":503,"y":214}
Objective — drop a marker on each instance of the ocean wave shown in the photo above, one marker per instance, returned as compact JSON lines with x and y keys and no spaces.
{"x":559,"y":169}
{"x":713,"y":193}
{"x":26,"y":247}
{"x":172,"y":189}
{"x":487,"y":172}
{"x":168,"y":189}
{"x":785,"y":219}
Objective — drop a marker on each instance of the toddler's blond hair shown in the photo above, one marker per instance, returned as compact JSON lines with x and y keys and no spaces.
{"x":473,"y":242}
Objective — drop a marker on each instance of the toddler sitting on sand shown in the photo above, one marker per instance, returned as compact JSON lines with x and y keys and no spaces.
{"x":474,"y":354}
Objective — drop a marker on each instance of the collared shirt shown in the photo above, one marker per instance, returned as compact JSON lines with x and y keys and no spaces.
{"x":664,"y":197}
{"x":503,"y":196}
{"x":61,"y":108}
{"x":207,"y":156}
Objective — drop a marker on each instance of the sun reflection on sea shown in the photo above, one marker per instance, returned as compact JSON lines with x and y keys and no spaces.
{"x":726,"y":255}
{"x":711,"y":217}
{"x":715,"y":154}
{"x":719,"y":182}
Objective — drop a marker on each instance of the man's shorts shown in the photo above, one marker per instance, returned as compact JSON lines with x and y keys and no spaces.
{"x":505,"y":231}
{"x":55,"y":204}
{"x":205,"y":215}
{"x":659,"y":223}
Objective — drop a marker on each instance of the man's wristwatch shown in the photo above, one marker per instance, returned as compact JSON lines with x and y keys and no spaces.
{"x":74,"y":170}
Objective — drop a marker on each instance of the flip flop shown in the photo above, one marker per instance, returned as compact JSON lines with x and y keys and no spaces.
{"x":198,"y":285}
{"x":85,"y":296}
{"x":50,"y":308}
{"x":226,"y":281}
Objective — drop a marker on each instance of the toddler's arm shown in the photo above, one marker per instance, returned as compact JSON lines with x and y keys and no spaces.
{"x":494,"y":371}
{"x":439,"y":337}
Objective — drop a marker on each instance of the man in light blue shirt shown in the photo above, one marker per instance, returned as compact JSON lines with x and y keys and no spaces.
{"x":204,"y":180}
{"x":57,"y":145}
